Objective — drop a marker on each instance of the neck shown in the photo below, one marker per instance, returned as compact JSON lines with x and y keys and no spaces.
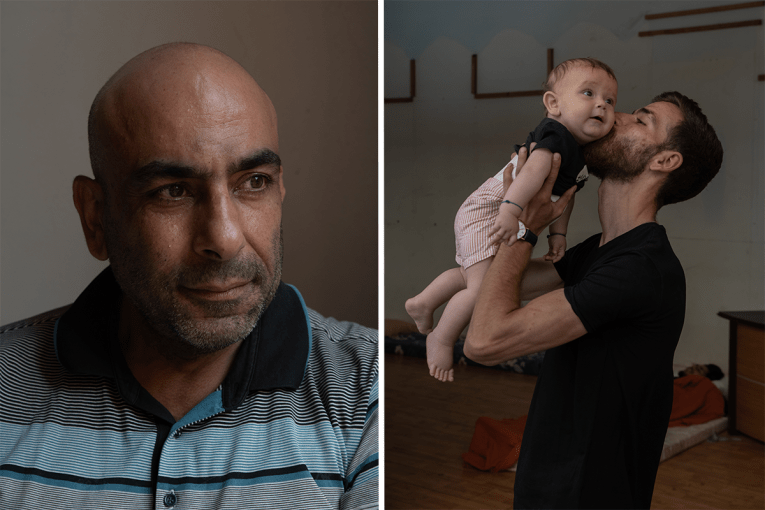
{"x":624,"y":206}
{"x":175,"y":378}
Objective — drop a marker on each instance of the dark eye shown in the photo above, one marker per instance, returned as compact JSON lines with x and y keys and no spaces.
{"x":256,"y":182}
{"x":175,"y":190}
{"x":587,"y":93}
{"x":610,"y":101}
{"x":171,"y":192}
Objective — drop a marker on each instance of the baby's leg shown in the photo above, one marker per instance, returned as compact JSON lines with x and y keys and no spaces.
{"x":421,"y":307}
{"x":440,"y":342}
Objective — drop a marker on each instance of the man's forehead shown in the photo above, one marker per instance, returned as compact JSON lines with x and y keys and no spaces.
{"x":190,"y":91}
{"x":662,"y":113}
{"x":180,"y":110}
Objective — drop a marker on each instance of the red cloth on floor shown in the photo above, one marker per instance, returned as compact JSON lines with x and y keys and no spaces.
{"x":496,"y":444}
{"x":695,"y":400}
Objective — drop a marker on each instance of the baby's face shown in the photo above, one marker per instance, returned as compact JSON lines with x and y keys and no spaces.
{"x":587,"y":97}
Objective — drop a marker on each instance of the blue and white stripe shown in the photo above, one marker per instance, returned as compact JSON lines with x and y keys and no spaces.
{"x":71,"y":441}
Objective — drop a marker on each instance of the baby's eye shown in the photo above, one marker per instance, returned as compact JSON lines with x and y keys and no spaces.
{"x":587,"y":93}
{"x":610,"y":101}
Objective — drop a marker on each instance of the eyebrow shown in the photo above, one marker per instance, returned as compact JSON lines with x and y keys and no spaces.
{"x":159,"y":169}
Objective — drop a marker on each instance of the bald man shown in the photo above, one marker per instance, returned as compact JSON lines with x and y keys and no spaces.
{"x":186,"y":375}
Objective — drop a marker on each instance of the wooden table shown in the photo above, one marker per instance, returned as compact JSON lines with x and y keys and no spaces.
{"x":746,"y":372}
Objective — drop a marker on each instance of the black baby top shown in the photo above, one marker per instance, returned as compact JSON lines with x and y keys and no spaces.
{"x":555,"y":137}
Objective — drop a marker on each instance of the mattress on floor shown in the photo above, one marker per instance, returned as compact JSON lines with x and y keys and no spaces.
{"x":679,"y":439}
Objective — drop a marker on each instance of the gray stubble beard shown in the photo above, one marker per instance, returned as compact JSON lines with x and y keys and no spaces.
{"x":161,"y":311}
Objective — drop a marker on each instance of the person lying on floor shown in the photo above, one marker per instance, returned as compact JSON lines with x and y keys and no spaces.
{"x":695,"y":398}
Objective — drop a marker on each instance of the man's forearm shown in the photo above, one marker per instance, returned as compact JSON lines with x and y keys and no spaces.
{"x":500,"y":329}
{"x":499,"y":296}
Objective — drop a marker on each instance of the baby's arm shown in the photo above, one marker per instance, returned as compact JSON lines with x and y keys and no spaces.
{"x":557,"y":238}
{"x":524,"y":187}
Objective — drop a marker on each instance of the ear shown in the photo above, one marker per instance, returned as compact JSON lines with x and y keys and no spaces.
{"x":89,"y":201}
{"x":550,"y":101}
{"x":666,"y":161}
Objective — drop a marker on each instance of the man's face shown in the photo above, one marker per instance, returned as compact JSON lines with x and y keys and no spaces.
{"x":625,"y":152}
{"x":193,"y":221}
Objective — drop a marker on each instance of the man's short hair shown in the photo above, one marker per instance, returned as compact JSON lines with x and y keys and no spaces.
{"x":702,"y":152}
{"x":560,"y":70}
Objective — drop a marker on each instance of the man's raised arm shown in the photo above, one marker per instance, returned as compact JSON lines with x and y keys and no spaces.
{"x":500,"y":329}
{"x":541,"y":276}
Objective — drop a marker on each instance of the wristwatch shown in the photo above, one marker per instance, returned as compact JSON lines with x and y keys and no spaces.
{"x":525,"y":234}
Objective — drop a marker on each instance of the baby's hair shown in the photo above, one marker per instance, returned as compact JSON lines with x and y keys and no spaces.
{"x":561,"y":69}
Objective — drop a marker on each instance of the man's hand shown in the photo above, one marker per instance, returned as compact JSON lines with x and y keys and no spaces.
{"x":541,"y":210}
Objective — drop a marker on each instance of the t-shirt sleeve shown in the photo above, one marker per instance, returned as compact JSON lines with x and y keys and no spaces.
{"x":554,"y":137}
{"x":623,"y":289}
{"x":574,"y":253}
{"x":562,"y":265}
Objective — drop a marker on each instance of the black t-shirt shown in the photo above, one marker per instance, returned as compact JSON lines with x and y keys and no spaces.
{"x":602,"y":402}
{"x":553,"y":136}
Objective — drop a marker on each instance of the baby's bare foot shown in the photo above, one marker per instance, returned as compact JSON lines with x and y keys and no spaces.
{"x":440,"y":358}
{"x":423,"y":318}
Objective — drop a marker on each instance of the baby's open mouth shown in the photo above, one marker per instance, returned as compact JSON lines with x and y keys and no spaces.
{"x":598,"y":118}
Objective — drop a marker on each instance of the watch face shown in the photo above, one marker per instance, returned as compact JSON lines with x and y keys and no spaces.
{"x":521,"y":230}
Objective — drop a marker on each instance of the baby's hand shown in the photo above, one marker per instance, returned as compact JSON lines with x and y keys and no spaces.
{"x":557,"y":244}
{"x":505,"y":228}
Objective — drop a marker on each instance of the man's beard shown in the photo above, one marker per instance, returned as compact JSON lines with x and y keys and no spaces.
{"x":617,"y":158}
{"x":154,"y":294}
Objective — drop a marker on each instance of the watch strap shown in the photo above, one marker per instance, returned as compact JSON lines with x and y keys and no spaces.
{"x":530,"y":237}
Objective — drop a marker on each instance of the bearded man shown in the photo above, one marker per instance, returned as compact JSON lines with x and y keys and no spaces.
{"x":186,"y":375}
{"x":609,"y":315}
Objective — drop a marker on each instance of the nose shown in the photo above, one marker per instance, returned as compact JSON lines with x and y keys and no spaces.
{"x":219,"y":233}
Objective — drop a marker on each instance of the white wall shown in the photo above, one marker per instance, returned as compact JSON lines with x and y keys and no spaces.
{"x":443,"y":145}
{"x":316,"y":60}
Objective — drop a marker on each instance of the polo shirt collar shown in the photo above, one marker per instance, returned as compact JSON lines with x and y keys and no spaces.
{"x":273,"y":355}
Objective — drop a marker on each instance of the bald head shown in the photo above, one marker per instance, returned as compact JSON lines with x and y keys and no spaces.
{"x":188,"y":195}
{"x":159,"y":94}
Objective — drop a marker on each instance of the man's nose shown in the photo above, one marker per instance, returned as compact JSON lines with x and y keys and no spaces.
{"x":219,"y":233}
{"x":620,"y":118}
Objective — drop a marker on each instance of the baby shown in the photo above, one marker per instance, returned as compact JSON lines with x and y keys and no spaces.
{"x":579,"y":97}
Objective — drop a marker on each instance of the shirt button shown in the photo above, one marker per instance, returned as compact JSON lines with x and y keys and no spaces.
{"x":170,"y":499}
{"x":177,"y":434}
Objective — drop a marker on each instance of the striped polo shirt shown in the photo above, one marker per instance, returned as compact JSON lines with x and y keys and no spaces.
{"x":294,"y":424}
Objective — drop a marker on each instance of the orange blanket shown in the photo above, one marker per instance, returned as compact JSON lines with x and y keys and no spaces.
{"x":695,"y":400}
{"x":496,"y":444}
